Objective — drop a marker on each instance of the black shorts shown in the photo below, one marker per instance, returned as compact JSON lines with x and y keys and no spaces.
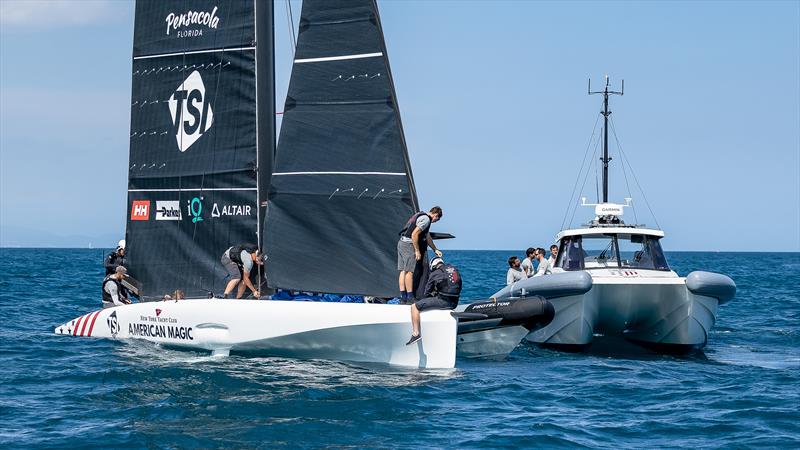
{"x":435,"y":303}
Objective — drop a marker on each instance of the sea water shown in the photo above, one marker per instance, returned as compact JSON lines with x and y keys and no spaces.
{"x":59,"y":391}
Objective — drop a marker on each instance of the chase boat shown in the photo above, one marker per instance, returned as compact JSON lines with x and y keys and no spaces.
{"x":612,"y":279}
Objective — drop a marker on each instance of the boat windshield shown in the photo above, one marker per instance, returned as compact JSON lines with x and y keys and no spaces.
{"x":600,"y":251}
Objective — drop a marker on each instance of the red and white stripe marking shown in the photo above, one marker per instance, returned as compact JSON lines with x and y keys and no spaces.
{"x":85,"y":324}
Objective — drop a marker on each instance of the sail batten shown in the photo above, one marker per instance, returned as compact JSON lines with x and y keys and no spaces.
{"x":338,"y":58}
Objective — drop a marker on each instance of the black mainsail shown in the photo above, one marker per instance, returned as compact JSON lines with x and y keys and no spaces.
{"x":200,"y":148}
{"x":341,"y":184}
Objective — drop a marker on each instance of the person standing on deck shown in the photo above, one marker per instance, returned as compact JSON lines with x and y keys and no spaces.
{"x":113,"y":292}
{"x":544,"y":264}
{"x":115,"y":258}
{"x":408,"y":248}
{"x":238,"y":261}
{"x":515,"y":272}
{"x":553,"y":255}
{"x":441,"y":292}
{"x":527,"y":263}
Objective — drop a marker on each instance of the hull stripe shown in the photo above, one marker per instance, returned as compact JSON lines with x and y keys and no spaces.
{"x":85,"y":322}
{"x":77,"y":325}
{"x":91,"y":327}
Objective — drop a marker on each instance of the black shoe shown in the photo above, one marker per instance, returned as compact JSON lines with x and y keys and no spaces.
{"x":414,"y":338}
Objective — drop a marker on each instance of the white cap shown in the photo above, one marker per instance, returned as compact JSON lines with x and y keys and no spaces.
{"x":436,"y":261}
{"x":121,"y":243}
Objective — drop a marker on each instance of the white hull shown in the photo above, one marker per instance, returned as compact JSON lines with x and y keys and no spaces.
{"x":654,"y":308}
{"x":493,"y":343}
{"x":662,"y":313}
{"x":335,"y":331}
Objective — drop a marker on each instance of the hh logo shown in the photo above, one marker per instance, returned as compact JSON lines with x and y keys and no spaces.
{"x":191,"y":111}
{"x":140,"y":210}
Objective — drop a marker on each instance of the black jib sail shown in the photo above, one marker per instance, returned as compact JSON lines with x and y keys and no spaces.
{"x":195,"y":164}
{"x":341,"y":185}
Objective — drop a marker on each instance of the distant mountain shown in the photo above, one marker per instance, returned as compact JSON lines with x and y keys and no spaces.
{"x":11,"y":236}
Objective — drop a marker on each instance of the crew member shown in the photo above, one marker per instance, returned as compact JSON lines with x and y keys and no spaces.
{"x":238,"y":262}
{"x":115,"y":258}
{"x":441,"y":292}
{"x":113,"y":292}
{"x":409,"y":251}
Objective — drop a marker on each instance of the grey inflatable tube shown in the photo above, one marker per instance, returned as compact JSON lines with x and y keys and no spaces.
{"x":711,"y":284}
{"x":555,"y":285}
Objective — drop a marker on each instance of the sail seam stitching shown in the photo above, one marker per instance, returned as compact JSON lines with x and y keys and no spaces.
{"x":197,"y":52}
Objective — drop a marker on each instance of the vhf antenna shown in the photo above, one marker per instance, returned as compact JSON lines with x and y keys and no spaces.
{"x":606,"y":113}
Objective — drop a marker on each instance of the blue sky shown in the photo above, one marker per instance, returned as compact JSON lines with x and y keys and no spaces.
{"x":494,"y":105}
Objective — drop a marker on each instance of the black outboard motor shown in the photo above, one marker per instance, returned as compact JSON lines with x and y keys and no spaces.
{"x":531,"y":312}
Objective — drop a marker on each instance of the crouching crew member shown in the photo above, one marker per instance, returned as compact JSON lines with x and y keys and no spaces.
{"x":113,"y":292}
{"x":441,"y":292}
{"x":115,"y":258}
{"x":408,"y":248}
{"x":238,"y":262}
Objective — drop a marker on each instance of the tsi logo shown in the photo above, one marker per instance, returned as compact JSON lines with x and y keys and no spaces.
{"x":169,"y":210}
{"x":191,"y":111}
{"x":140,"y":210}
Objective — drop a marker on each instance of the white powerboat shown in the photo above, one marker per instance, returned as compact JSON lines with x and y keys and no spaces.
{"x":612,"y":279}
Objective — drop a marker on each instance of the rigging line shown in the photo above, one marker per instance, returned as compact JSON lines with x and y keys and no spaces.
{"x":585,"y":179}
{"x":596,"y":182}
{"x":577,"y":179}
{"x":290,"y":19}
{"x":635,"y":178}
{"x":625,"y":174}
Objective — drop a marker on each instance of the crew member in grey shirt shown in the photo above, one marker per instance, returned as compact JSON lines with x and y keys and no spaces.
{"x":415,"y":233}
{"x":544,"y":264}
{"x":515,"y":272}
{"x":238,"y":262}
{"x":527,"y":263}
{"x":113,"y":292}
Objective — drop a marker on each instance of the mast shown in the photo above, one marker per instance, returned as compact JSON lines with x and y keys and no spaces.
{"x":265,"y":100}
{"x":605,"y":114}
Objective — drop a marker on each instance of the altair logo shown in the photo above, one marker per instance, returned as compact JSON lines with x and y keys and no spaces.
{"x":191,"y":111}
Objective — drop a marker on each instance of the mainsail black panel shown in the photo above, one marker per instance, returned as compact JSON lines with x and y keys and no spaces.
{"x":341,"y":187}
{"x":194,"y":162}
{"x":167,"y":26}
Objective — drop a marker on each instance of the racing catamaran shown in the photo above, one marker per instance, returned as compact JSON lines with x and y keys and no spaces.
{"x":205,"y":174}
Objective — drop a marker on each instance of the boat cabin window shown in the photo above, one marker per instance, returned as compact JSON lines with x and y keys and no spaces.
{"x":639,"y":251}
{"x":601,"y":251}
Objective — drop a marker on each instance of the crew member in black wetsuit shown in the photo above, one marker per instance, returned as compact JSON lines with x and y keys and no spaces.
{"x":238,"y":262}
{"x":113,"y":292}
{"x":115,"y":258}
{"x":441,"y":292}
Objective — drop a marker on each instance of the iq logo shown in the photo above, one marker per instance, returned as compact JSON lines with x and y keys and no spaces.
{"x":195,"y":209}
{"x":140,"y":210}
{"x":191,"y":111}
